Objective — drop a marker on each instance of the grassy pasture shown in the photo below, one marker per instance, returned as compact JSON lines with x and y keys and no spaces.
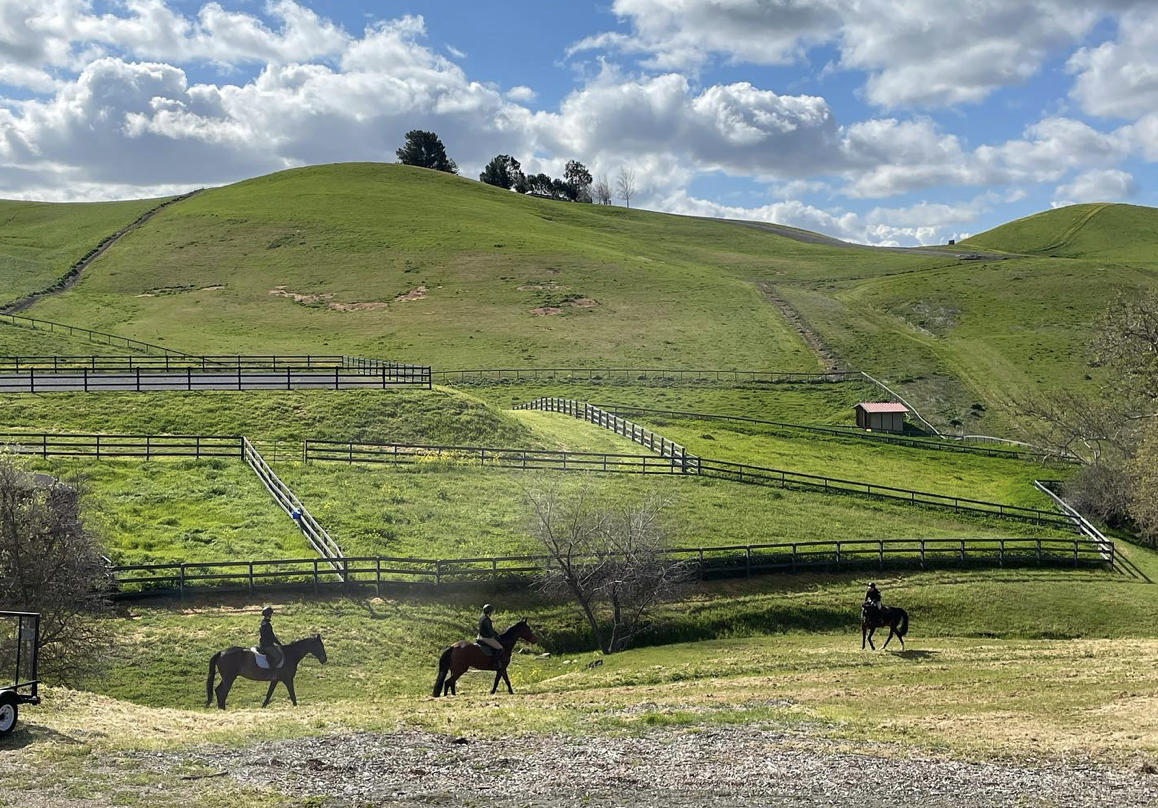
{"x":39,"y":241}
{"x":450,"y":510}
{"x":999,"y":663}
{"x":180,"y":510}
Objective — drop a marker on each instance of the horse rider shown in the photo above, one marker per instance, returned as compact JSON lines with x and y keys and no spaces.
{"x":872,"y":598}
{"x":488,"y":636}
{"x":268,"y":644}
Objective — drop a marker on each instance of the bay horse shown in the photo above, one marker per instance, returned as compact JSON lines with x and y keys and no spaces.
{"x":462,"y":656}
{"x":235,"y":661}
{"x":895,"y":618}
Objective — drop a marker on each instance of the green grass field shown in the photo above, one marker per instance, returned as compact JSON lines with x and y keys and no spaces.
{"x":1118,"y":233}
{"x":39,"y":241}
{"x":180,"y":510}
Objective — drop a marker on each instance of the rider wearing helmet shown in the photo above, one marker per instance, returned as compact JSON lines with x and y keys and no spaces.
{"x":268,"y":643}
{"x":872,"y":598}
{"x":486,"y":633}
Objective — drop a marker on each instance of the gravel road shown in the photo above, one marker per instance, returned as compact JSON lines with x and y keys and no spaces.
{"x":660,"y":769}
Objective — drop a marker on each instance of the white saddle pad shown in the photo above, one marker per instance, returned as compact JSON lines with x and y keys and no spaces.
{"x":262,"y":660}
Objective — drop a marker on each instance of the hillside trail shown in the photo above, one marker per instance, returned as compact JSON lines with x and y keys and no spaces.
{"x":1067,"y":236}
{"x":69,"y":278}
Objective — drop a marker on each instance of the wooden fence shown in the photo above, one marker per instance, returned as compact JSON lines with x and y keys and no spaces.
{"x":380,"y":572}
{"x":939,"y":444}
{"x":87,"y":333}
{"x":145,"y":447}
{"x":168,"y":362}
{"x":621,"y":375}
{"x":620,"y":426}
{"x":236,"y":378}
{"x":315,"y":534}
{"x":550,"y":460}
{"x":148,"y":447}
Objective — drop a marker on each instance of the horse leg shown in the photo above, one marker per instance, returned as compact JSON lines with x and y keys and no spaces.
{"x":507,"y":679}
{"x":863,"y":634}
{"x":269,"y":693}
{"x":870,"y":637}
{"x":892,"y":631}
{"x":289,"y":685}
{"x":498,"y":678}
{"x":222,"y":691}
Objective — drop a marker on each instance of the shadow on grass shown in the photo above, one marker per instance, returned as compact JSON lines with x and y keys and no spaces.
{"x":917,"y":655}
{"x":27,"y":734}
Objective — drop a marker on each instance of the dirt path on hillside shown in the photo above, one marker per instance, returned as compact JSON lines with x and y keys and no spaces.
{"x":813,"y":339}
{"x":69,"y":278}
{"x":739,"y":766}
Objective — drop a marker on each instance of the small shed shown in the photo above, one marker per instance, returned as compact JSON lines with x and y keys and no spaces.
{"x":881,"y":416}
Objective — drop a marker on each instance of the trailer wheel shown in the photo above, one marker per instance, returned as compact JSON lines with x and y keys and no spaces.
{"x":8,"y":713}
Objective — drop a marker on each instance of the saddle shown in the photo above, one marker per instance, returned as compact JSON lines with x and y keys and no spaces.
{"x":263,"y":660}
{"x":489,"y":650}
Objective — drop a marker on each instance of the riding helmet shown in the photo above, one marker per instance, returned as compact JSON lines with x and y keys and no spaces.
{"x":267,"y":611}
{"x":488,"y":609}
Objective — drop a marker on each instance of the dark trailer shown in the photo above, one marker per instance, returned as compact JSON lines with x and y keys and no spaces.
{"x":19,"y":646}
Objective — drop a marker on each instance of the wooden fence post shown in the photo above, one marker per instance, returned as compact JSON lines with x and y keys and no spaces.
{"x":378,"y":576}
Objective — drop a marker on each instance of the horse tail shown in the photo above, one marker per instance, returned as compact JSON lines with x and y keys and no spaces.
{"x":903,"y":628}
{"x":443,"y":669}
{"x":212,"y":674}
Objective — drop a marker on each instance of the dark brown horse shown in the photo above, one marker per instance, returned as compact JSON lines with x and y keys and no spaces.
{"x":871,"y":619}
{"x":234,"y":662}
{"x":462,"y":656}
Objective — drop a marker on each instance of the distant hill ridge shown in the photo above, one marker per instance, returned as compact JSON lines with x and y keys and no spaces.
{"x":1096,"y":231}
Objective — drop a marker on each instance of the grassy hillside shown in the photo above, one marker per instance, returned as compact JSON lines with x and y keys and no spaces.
{"x":491,"y":277}
{"x":391,"y":261}
{"x":39,"y":241}
{"x":1120,"y":233}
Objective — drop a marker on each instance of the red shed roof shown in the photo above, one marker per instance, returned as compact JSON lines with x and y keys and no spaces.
{"x":881,"y":406}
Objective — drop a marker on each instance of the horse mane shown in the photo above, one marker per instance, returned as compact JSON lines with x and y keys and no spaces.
{"x":303,"y":641}
{"x":511,"y":630}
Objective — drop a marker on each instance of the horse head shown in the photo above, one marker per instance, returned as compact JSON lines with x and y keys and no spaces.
{"x":525,"y":633}
{"x":318,"y":648}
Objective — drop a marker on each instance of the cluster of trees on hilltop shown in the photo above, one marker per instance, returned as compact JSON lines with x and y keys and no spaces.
{"x":425,"y":149}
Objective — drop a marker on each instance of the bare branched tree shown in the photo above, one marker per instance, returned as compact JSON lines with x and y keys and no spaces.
{"x":49,"y":563}
{"x":609,"y":560}
{"x":601,"y":190}
{"x":1114,"y":435}
{"x":625,"y":184}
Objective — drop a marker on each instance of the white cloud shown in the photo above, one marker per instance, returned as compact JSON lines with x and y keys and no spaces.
{"x":915,"y":52}
{"x":1120,"y":78}
{"x":521,"y":93}
{"x":1110,"y":185}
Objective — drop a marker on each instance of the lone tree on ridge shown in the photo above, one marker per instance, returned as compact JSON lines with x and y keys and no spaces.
{"x":425,"y":150}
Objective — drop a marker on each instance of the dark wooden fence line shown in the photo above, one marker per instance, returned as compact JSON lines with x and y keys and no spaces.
{"x":939,"y":444}
{"x":226,"y":378}
{"x":620,"y":426}
{"x":378,"y":572}
{"x":638,"y":374}
{"x":197,"y":447}
{"x":553,"y":460}
{"x":119,"y":362}
{"x":88,"y":333}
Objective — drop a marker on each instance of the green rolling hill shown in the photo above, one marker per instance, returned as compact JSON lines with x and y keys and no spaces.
{"x":393,"y":261}
{"x":1120,"y":233}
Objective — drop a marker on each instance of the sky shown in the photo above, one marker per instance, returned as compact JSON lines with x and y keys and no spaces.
{"x":877,"y":121}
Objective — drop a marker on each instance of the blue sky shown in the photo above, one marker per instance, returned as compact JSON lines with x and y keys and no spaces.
{"x":882,"y":121}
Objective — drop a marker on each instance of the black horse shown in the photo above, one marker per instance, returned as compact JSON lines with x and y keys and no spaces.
{"x":235,"y":661}
{"x":871,"y":619}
